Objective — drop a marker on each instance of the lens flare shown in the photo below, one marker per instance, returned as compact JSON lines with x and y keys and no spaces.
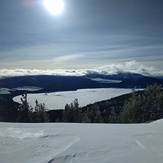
{"x":55,"y":7}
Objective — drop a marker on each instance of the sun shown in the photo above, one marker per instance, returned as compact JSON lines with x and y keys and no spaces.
{"x":55,"y":7}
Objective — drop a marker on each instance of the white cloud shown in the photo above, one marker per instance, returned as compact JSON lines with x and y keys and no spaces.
{"x":131,"y":66}
{"x":27,"y":72}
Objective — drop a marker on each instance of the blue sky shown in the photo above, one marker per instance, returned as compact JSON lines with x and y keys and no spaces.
{"x":89,"y":33}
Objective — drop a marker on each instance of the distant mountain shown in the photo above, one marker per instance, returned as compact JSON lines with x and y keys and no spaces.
{"x":3,"y":85}
{"x":50,"y":83}
{"x":128,"y":80}
{"x":118,"y":76}
{"x":159,"y":77}
{"x":139,"y":82}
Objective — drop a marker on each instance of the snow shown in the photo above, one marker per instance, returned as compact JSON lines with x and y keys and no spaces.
{"x":27,"y":88}
{"x":4,"y":91}
{"x":81,"y":143}
{"x":58,"y":100}
{"x":100,"y":80}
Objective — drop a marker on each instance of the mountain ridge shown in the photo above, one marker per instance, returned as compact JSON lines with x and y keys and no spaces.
{"x":52,"y":83}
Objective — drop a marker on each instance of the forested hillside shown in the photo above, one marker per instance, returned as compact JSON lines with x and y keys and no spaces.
{"x":140,"y":106}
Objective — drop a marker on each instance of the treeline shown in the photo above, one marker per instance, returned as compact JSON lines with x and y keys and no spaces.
{"x":89,"y":114}
{"x":141,"y":107}
{"x":147,"y":106}
{"x":26,"y":113}
{"x":74,"y":113}
{"x":138,"y":107}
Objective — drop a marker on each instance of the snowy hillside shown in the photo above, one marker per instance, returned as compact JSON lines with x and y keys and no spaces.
{"x":81,"y":143}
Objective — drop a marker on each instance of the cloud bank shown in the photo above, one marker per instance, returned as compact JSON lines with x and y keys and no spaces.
{"x":131,"y":66}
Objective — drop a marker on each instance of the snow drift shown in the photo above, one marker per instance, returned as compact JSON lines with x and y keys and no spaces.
{"x":78,"y":143}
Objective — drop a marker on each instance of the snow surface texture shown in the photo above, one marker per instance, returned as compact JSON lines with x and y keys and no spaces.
{"x":81,"y":143}
{"x":58,"y":100}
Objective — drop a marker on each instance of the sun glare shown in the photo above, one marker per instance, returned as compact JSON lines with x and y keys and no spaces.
{"x":55,"y":7}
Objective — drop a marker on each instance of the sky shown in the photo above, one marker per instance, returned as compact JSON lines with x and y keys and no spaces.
{"x":87,"y":34}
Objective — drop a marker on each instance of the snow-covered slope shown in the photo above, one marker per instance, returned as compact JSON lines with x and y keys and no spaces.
{"x":81,"y":143}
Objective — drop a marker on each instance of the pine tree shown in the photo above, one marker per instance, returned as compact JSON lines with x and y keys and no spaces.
{"x":95,"y":114}
{"x":26,"y":113}
{"x":113,"y":117}
{"x":25,"y":110}
{"x":85,"y":118}
{"x":153,"y":97}
{"x":40,"y":113}
{"x":132,"y":109}
{"x":66,"y":113}
{"x":144,"y":107}
{"x":72,"y":112}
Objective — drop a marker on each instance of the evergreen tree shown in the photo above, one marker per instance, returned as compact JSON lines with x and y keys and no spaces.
{"x":78,"y":112}
{"x":66,"y":113}
{"x":39,"y":114}
{"x":152,"y":100}
{"x":132,"y":109}
{"x":85,"y":117}
{"x":72,"y":112}
{"x":25,"y":110}
{"x":144,"y":107}
{"x":113,"y":117}
{"x":95,"y":114}
{"x":28,"y":114}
